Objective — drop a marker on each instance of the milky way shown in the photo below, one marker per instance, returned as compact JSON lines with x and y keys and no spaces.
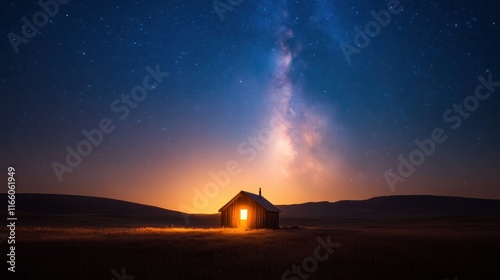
{"x":298,"y":146}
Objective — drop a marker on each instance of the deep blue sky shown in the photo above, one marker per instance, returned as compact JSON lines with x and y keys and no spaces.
{"x":343,"y":125}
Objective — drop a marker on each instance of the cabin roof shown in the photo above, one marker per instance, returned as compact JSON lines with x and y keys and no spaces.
{"x":255,"y":197}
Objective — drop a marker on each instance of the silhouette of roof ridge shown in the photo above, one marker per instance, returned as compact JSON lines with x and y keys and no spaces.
{"x":255,"y":197}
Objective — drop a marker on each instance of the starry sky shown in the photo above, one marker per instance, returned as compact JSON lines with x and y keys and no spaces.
{"x":182,"y":104}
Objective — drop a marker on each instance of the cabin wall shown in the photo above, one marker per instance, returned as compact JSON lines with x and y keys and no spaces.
{"x":258,"y":217}
{"x":272,"y":220}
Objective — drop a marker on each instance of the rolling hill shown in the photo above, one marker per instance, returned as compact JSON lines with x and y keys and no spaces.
{"x":398,"y":205}
{"x":71,"y":210}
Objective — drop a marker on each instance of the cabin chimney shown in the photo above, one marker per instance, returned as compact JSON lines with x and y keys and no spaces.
{"x":260,"y":193}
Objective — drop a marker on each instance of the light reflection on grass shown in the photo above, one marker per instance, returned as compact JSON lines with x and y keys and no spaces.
{"x":56,"y":233}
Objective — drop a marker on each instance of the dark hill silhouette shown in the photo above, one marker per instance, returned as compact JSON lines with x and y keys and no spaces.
{"x":71,"y":210}
{"x":74,"y":210}
{"x":74,"y":204}
{"x":398,"y":206}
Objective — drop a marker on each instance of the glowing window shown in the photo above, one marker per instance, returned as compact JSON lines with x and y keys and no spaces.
{"x":243,"y":214}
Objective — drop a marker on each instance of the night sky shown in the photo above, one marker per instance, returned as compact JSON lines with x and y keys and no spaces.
{"x":288,"y":96}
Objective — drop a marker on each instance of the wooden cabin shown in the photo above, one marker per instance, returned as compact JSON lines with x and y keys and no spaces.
{"x":249,"y":210}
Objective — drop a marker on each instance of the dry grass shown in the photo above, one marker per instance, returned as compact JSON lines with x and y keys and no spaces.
{"x":382,"y":252}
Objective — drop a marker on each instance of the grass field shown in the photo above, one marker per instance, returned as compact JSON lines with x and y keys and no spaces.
{"x":377,"y":251}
